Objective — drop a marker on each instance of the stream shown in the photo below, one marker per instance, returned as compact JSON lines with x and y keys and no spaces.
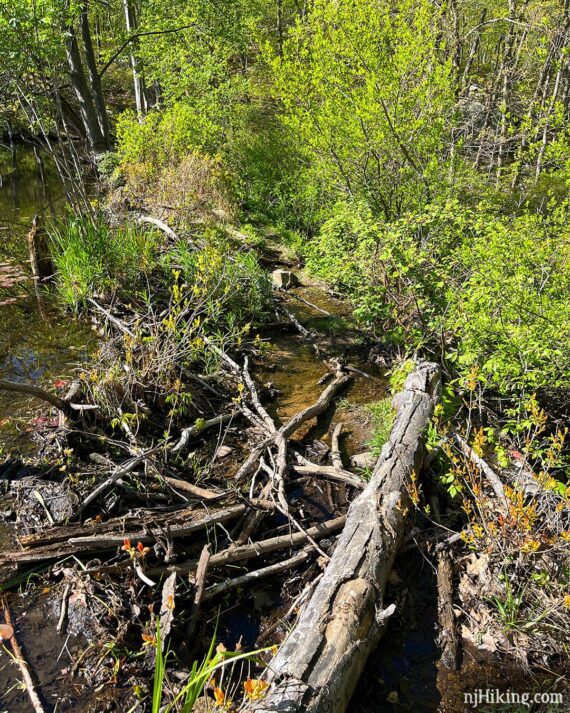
{"x":40,"y":344}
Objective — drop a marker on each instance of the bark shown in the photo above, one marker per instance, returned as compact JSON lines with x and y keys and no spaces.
{"x":86,"y":105}
{"x":138,"y":78}
{"x":449,"y":641}
{"x":94,"y":78}
{"x":318,"y":666}
{"x":181,"y":524}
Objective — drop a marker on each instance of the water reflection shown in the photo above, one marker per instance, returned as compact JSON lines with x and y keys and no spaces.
{"x":37,"y":342}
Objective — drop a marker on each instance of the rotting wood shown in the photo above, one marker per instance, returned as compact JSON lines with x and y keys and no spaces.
{"x":449,"y":642}
{"x":319,"y":664}
{"x":180,"y":524}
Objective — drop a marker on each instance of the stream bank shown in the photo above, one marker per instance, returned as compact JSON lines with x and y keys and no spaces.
{"x":107,"y":608}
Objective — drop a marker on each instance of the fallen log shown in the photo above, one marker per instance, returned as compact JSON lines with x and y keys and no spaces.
{"x":180,"y":524}
{"x":318,"y":666}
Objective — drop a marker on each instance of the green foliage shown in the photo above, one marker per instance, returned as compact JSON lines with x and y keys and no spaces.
{"x":235,"y":289}
{"x":482,"y":287}
{"x":366,"y":89}
{"x":92,"y":257}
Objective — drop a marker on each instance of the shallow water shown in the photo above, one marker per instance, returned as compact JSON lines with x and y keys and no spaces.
{"x":38,"y":344}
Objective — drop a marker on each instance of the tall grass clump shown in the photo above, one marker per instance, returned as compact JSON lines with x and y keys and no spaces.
{"x":91,"y":257}
{"x":227,"y":673}
{"x":382,"y":415}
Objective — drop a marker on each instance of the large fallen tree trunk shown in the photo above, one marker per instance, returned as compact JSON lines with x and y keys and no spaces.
{"x":318,"y":666}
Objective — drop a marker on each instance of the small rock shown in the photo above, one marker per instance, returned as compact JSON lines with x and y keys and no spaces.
{"x":224,"y":452}
{"x":363,"y":460}
{"x":284,"y":279}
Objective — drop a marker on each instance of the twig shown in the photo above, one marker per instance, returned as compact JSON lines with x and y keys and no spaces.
{"x":21,"y":661}
{"x":192,"y":431}
{"x":117,"y":322}
{"x":120,"y":471}
{"x":261,"y":548}
{"x":309,"y":304}
{"x":63,"y":611}
{"x":256,"y":575}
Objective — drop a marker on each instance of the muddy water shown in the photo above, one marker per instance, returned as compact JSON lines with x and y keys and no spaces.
{"x":38,"y":344}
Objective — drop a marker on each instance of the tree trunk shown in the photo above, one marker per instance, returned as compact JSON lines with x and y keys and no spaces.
{"x":318,"y":666}
{"x":94,"y":78}
{"x":86,"y":105}
{"x":138,"y":78}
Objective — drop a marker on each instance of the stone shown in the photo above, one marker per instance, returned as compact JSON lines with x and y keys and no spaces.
{"x":363,"y":460}
{"x":284,"y":279}
{"x":223,"y":452}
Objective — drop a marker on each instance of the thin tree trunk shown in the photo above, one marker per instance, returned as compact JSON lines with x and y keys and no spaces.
{"x":138,"y":78}
{"x":86,"y":105}
{"x":94,"y":78}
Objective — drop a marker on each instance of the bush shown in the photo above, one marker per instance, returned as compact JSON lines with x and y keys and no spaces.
{"x":235,"y":288}
{"x":483,"y":288}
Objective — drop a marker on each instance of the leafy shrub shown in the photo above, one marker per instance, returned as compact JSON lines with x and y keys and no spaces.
{"x":479,"y":286}
{"x":237,"y":289}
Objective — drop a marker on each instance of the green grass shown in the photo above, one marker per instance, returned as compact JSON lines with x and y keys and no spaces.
{"x":383,"y":416}
{"x":92,"y":257}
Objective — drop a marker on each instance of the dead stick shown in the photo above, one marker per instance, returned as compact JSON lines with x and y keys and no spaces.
{"x":486,"y":469}
{"x":255,"y":575}
{"x":117,"y":322}
{"x":36,"y":391}
{"x":449,"y":642}
{"x":263,"y":547}
{"x":199,"y":588}
{"x":63,"y":612}
{"x":193,"y":431}
{"x":21,"y":661}
{"x":120,"y":471}
{"x":336,"y":457}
